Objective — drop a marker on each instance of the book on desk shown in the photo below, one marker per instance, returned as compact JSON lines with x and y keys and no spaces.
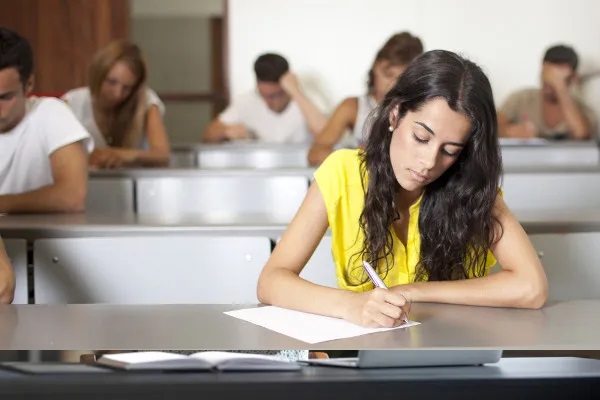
{"x":200,"y":361}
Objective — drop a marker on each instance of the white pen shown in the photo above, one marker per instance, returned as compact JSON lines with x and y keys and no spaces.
{"x":377,"y":281}
{"x":374,"y":276}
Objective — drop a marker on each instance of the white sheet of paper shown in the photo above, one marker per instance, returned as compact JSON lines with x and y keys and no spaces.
{"x":309,"y":328}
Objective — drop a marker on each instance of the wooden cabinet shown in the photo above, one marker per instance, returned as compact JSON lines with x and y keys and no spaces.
{"x":65,"y":34}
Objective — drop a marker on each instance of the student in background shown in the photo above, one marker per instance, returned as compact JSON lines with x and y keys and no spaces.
{"x":43,"y":147}
{"x":277,"y":112}
{"x":121,"y":113}
{"x":7,"y":277}
{"x":552,"y":111}
{"x":421,"y":203}
{"x":352,"y":113}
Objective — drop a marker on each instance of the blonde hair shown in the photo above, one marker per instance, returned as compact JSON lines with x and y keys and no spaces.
{"x":126,"y":125}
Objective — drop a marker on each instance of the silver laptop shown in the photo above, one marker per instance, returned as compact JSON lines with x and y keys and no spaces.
{"x":412,"y":358}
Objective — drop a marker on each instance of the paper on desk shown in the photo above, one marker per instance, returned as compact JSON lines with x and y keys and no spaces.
{"x":309,"y":328}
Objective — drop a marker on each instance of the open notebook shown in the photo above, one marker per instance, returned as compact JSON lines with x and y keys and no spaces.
{"x":208,"y":360}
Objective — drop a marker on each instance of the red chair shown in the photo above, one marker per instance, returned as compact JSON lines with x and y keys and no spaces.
{"x":46,"y":94}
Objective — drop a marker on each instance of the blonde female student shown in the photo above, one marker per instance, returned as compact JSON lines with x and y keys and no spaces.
{"x":121,"y":113}
{"x":421,"y":203}
{"x":352,"y":113}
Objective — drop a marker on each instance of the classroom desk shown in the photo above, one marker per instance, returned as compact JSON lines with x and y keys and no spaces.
{"x":562,"y":238}
{"x":569,"y":325}
{"x":550,"y":153}
{"x":41,"y":226}
{"x":559,"y":221}
{"x":524,"y":378}
{"x":245,"y":155}
{"x":268,"y":156}
{"x":37,"y":226}
{"x":194,"y":173}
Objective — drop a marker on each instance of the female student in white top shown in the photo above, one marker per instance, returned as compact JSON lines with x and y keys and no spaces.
{"x":352,"y":113}
{"x":121,"y":113}
{"x":421,"y":203}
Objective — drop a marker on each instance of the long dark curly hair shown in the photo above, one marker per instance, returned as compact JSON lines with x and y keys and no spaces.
{"x":456,"y":222}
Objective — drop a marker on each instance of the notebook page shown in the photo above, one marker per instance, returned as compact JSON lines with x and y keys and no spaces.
{"x":309,"y":328}
{"x":216,"y":357}
{"x":144,"y":357}
{"x":245,"y":362}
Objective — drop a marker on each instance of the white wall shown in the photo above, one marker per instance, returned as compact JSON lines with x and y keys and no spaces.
{"x":331,"y":43}
{"x":176,"y":8}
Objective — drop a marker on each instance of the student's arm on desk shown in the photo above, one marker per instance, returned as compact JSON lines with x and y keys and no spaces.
{"x":522,"y":130}
{"x":280,"y":284}
{"x":342,"y":118}
{"x":521,"y":283}
{"x":157,"y":156}
{"x":7,"y":277}
{"x":66,"y":194}
{"x":217,"y":131}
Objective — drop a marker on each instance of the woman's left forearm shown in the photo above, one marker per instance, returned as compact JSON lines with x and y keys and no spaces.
{"x":502,"y":289}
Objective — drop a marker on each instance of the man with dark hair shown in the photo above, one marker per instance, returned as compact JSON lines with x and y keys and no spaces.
{"x":552,"y":111}
{"x":277,"y":112}
{"x":43,"y":162}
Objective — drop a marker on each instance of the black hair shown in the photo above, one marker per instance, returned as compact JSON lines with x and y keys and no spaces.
{"x":270,"y":67}
{"x":456,"y":223}
{"x":15,"y":52}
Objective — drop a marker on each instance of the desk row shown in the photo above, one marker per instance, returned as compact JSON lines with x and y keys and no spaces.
{"x":252,"y":155}
{"x":201,"y":268}
{"x":279,"y":193}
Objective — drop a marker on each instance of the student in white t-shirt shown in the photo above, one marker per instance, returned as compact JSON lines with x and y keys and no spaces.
{"x":121,"y":113}
{"x":7,"y":277}
{"x":276,"y":112}
{"x":43,"y":153}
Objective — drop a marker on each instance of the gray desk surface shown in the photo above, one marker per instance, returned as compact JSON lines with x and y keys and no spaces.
{"x":198,"y":173}
{"x":81,"y":225}
{"x":308,"y":172}
{"x":551,"y":169}
{"x":511,"y":143}
{"x":504,"y":143}
{"x":559,"y":221}
{"x":572,"y":325}
{"x":86,"y":225}
{"x":241,"y":145}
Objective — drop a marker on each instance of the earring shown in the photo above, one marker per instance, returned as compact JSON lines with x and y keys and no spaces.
{"x":391,"y":128}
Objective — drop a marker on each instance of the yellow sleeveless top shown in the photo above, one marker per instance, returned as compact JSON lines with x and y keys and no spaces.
{"x":339,"y":180}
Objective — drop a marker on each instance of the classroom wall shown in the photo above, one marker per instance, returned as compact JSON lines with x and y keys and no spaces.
{"x":177,"y":49}
{"x":176,"y":8}
{"x":331,"y":43}
{"x":175,"y":38}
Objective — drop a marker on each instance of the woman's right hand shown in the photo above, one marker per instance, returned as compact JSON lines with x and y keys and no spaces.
{"x":378,"y":308}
